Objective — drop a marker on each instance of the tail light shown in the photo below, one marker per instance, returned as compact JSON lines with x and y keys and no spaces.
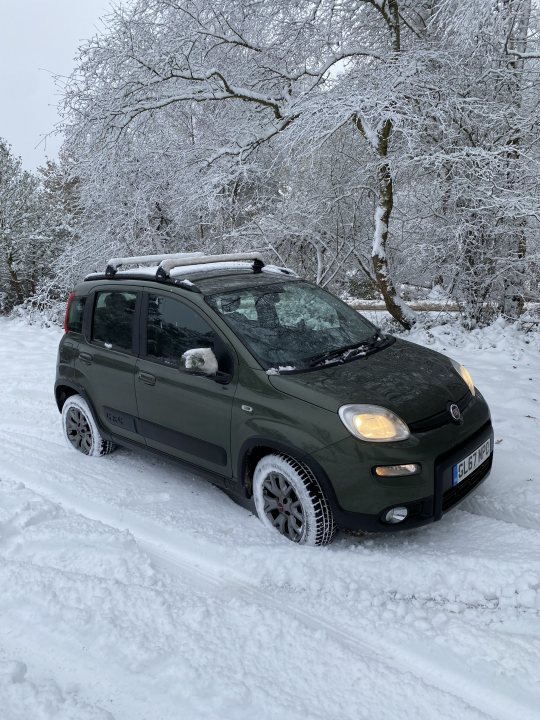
{"x":66,"y":316}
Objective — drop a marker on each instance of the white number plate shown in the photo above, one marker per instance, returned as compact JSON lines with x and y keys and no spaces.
{"x":471,"y":462}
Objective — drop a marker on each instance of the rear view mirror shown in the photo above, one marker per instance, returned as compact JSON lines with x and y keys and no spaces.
{"x":200,"y":360}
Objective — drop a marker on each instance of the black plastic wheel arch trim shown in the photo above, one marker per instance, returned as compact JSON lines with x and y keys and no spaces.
{"x":298,"y":454}
{"x":79,"y":390}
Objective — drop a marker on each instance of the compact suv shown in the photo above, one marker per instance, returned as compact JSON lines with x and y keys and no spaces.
{"x":284,"y":395}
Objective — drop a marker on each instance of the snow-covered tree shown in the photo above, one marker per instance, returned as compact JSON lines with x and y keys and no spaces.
{"x":391,"y":138}
{"x":19,"y":231}
{"x":285,"y":74}
{"x":485,"y":155}
{"x":58,"y":225}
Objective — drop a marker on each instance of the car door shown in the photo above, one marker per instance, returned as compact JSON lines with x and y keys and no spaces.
{"x":106,"y":358}
{"x":181,"y":412}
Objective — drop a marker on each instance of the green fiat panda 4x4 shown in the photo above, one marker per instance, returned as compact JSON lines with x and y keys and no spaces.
{"x":284,"y":395}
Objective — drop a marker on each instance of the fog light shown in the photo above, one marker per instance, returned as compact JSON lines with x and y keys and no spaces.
{"x":396,"y":515}
{"x":397,"y":470}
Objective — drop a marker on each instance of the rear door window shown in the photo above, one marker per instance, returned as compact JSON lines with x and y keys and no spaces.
{"x":114,"y":319}
{"x":173,"y":328}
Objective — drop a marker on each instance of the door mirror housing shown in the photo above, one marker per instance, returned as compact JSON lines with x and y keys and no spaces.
{"x":200,"y":360}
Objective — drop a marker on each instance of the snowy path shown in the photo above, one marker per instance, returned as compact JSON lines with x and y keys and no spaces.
{"x":132,"y":589}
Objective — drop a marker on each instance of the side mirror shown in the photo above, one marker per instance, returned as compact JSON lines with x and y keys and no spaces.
{"x":200,"y":360}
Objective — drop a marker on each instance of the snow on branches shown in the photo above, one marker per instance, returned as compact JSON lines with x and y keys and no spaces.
{"x":394,"y":140}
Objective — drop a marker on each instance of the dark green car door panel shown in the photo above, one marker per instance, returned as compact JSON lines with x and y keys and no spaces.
{"x":109,"y":379}
{"x":183,"y":413}
{"x":186,"y":415}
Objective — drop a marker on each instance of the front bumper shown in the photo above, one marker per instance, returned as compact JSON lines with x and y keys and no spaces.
{"x":428,"y":509}
{"x":360,"y":500}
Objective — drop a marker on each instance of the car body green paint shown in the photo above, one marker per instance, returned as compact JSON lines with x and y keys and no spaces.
{"x":193,"y":418}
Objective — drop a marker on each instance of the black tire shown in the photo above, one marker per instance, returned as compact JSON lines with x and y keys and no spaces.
{"x":289,"y":500}
{"x":81,"y":430}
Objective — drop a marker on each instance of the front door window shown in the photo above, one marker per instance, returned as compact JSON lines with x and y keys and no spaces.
{"x":174,"y":328}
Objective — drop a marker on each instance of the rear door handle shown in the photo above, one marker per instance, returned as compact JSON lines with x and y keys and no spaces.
{"x":86,"y":357}
{"x":147,"y":378}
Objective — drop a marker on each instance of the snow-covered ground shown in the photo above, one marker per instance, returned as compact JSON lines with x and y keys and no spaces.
{"x":132,"y":589}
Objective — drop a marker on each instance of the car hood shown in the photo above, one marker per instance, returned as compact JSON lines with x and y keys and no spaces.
{"x":410,"y":380}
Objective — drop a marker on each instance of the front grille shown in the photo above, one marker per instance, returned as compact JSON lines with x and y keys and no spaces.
{"x":454,"y":494}
{"x":440,"y":418}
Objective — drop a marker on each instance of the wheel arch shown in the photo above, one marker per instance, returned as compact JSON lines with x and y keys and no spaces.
{"x":256,"y":448}
{"x":61,"y":393}
{"x":65,"y":389}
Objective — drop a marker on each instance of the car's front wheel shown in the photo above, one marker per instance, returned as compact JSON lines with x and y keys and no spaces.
{"x":81,"y":430}
{"x":289,"y":499}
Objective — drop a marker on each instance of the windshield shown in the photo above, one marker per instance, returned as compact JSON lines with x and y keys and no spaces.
{"x":289,"y":325}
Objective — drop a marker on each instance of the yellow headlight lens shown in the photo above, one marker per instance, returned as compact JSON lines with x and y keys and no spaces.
{"x":374,"y":427}
{"x":373,"y":423}
{"x":466,"y":375}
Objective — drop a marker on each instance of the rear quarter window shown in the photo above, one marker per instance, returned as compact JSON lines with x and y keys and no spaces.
{"x":75,"y":315}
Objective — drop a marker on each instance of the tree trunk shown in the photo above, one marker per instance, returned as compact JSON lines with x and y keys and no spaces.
{"x":519,"y":16}
{"x":397,"y":308}
{"x":394,"y":304}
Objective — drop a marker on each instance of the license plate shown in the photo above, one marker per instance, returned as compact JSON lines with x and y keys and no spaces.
{"x":471,"y":462}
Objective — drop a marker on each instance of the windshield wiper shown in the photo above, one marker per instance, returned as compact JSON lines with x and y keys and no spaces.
{"x":330,"y":355}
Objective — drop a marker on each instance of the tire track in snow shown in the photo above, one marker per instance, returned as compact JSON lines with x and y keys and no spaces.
{"x":168,"y":552}
{"x":114,"y":471}
{"x":484,"y":507}
{"x":505,"y":510}
{"x":378,"y":666}
{"x":476,"y":691}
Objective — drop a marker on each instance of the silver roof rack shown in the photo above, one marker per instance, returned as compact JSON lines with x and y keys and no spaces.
{"x":164,"y":264}
{"x":115,"y":263}
{"x":171,"y":263}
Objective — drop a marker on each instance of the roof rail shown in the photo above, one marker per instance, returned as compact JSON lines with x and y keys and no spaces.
{"x":165,"y":266}
{"x":115,"y":263}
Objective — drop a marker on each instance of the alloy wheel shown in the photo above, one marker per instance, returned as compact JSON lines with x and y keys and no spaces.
{"x":78,"y":430}
{"x":282,"y":506}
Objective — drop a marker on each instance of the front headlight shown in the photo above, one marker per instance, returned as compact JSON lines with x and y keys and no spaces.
{"x":373,"y":423}
{"x":465,"y":375}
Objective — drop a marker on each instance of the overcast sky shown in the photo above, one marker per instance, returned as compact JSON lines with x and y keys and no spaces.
{"x":37,"y":38}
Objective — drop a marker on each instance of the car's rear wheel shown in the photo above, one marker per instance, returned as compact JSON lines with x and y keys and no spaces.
{"x":81,"y":430}
{"x":289,"y":500}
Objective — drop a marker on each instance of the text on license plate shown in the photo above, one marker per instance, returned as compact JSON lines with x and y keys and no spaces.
{"x":471,"y":462}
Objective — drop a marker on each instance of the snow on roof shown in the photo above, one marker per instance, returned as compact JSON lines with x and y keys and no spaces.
{"x":208,"y":267}
{"x":115,"y":263}
{"x":150,"y":271}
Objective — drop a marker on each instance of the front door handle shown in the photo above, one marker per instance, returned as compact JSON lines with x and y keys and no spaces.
{"x":86,"y":358}
{"x":147,"y":378}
